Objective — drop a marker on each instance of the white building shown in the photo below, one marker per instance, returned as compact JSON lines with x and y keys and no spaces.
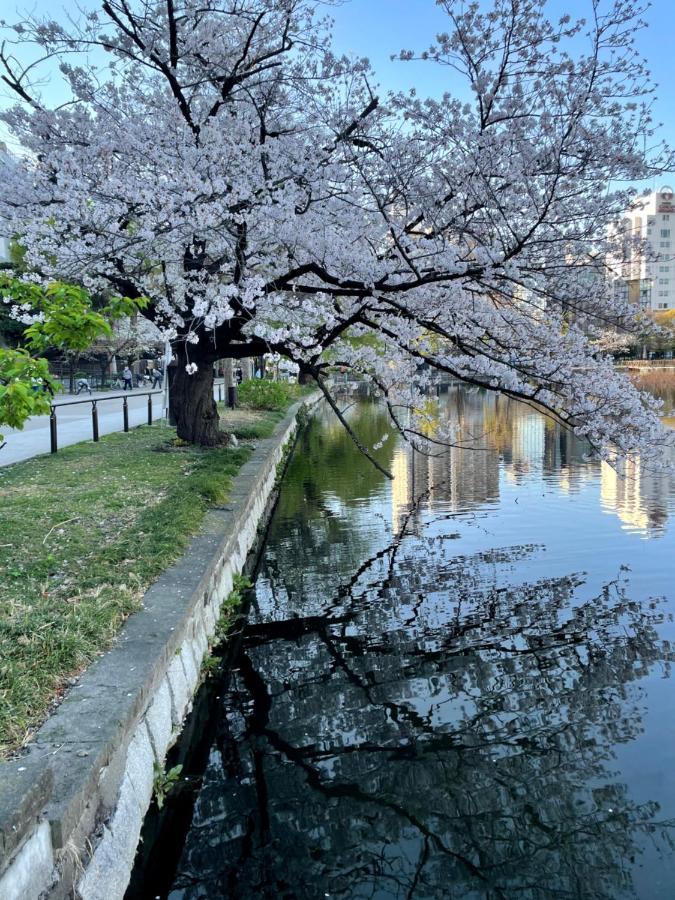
{"x":4,"y":239}
{"x":646,"y":274}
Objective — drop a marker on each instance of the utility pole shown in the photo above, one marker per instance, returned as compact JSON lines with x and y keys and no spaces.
{"x":168,"y":356}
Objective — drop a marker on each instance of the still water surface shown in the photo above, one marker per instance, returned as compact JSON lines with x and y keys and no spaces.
{"x":454,"y":685}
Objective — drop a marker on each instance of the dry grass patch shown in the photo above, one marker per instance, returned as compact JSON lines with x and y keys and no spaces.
{"x":654,"y":379}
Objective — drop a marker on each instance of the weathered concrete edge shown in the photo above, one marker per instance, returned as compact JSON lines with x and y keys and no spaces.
{"x":72,"y":807}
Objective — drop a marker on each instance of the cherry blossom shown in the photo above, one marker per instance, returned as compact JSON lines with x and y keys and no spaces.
{"x":218,"y":158}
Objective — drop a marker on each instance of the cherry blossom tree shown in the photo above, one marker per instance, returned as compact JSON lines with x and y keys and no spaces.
{"x":218,"y":159}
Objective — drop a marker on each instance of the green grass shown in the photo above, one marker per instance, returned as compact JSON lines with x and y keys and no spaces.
{"x":82,"y":535}
{"x":247,"y":422}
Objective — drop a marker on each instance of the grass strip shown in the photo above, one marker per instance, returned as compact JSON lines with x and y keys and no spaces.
{"x":82,"y":535}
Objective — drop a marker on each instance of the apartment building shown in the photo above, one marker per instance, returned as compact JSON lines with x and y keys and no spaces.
{"x":645,"y":268}
{"x":4,"y":239}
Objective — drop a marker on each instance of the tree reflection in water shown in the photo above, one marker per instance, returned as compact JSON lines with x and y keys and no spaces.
{"x":424,"y":742}
{"x":420,"y":724}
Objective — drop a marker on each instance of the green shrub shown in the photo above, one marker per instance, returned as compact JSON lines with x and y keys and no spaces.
{"x":258,"y":393}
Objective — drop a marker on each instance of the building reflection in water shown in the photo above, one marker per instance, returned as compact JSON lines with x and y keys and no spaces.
{"x":639,"y":498}
{"x":496,"y":435}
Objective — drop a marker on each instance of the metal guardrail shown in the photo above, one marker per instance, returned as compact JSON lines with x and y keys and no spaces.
{"x":646,"y":364}
{"x":53,"y":421}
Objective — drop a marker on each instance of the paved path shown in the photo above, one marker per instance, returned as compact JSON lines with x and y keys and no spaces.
{"x":74,"y":422}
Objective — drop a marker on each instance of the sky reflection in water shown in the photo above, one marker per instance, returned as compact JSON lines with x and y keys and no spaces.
{"x":455,"y":685}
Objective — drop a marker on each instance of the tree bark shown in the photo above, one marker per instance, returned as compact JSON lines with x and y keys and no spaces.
{"x":73,"y":363}
{"x":228,"y":373}
{"x":246,"y":369}
{"x":193,"y":407}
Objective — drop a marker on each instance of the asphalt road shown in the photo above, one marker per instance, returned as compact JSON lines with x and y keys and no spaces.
{"x":74,"y":422}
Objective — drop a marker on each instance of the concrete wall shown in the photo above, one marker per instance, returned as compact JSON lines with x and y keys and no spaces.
{"x":71,"y":808}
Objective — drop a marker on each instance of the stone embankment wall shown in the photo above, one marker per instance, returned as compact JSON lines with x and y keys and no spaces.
{"x":71,"y":807}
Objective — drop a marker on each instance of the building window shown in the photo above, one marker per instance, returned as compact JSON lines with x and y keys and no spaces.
{"x":665,"y":243}
{"x":663,"y":293}
{"x":664,"y":268}
{"x":663,"y":280}
{"x":665,"y":232}
{"x":665,"y":217}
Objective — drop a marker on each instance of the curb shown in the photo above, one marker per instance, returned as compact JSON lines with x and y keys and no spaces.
{"x":72,"y":807}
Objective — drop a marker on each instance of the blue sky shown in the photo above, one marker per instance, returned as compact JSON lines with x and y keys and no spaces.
{"x":378,"y":28}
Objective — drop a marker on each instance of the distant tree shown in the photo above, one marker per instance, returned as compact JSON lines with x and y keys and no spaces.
{"x":56,"y":315}
{"x":657,"y":335}
{"x":666,"y":322}
{"x":225,"y":164}
{"x":130,"y":339}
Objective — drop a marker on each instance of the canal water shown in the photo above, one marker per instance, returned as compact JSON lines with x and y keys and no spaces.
{"x":453,"y":685}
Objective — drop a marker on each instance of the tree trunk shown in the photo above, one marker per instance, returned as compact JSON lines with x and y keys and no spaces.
{"x":73,"y":363}
{"x":192,"y":405}
{"x":246,"y":369}
{"x":228,"y":374}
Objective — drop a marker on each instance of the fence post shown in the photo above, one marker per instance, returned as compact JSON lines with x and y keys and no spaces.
{"x":94,"y":419}
{"x":52,"y":429}
{"x":220,"y":393}
{"x":125,"y":413}
{"x":149,"y":409}
{"x":232,"y":396}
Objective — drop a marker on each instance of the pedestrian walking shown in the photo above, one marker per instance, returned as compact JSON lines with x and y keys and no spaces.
{"x":157,"y":378}
{"x":128,"y":376}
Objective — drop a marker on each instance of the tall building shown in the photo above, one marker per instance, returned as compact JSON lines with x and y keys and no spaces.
{"x":4,"y":238}
{"x":645,"y":267}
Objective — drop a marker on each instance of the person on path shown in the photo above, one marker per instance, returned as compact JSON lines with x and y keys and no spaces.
{"x":83,"y":385}
{"x":128,"y":375}
{"x":156,"y":378}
